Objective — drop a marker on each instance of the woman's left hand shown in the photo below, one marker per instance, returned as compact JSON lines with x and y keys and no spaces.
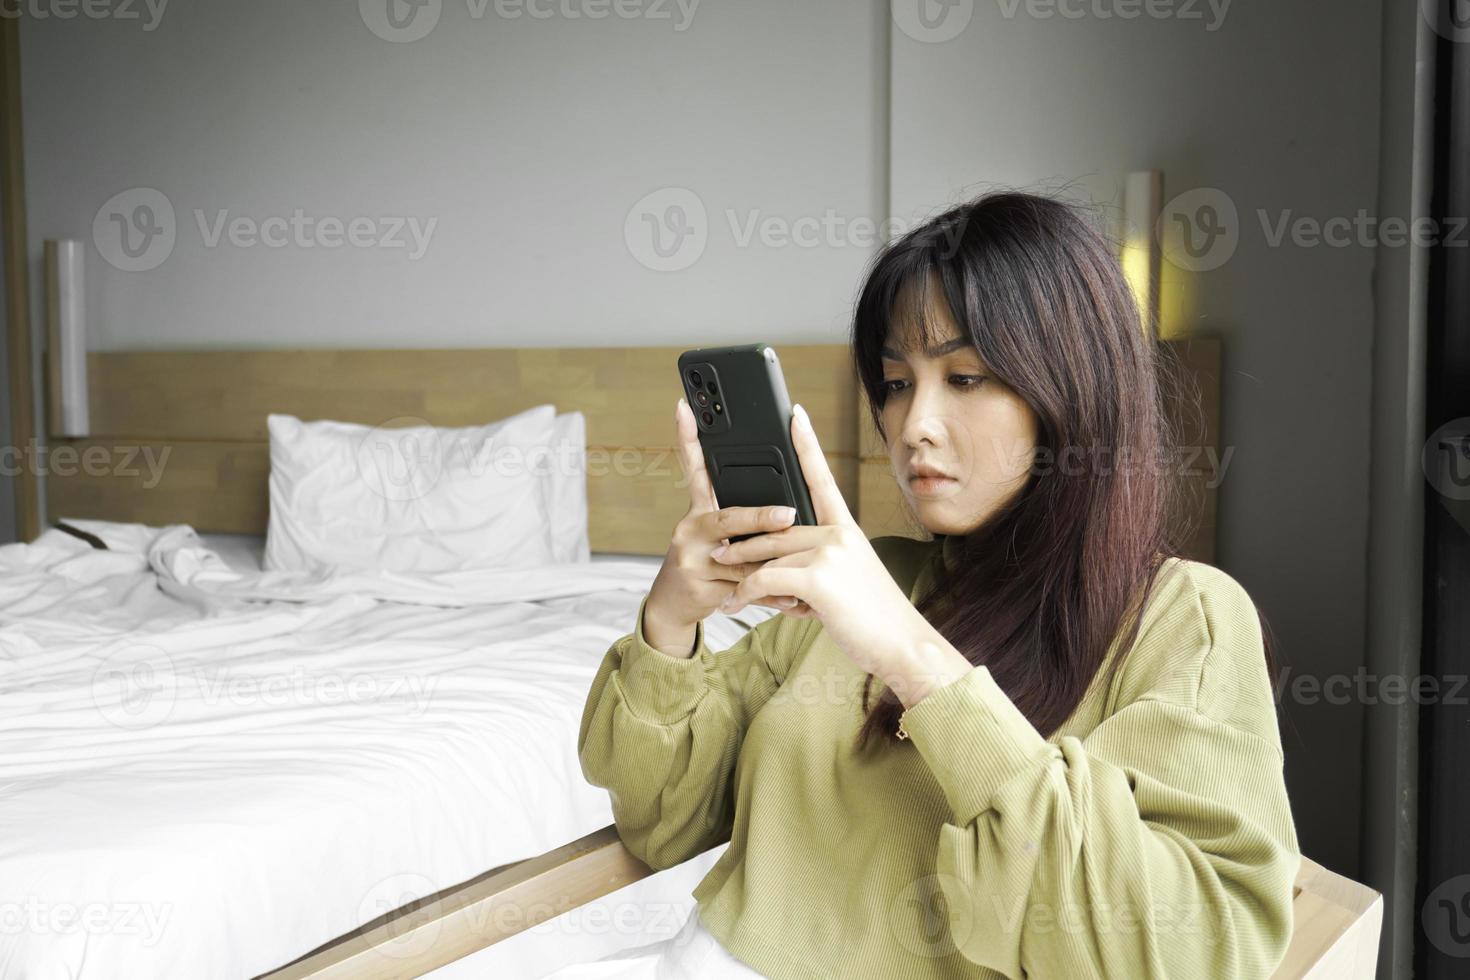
{"x":830,"y":569}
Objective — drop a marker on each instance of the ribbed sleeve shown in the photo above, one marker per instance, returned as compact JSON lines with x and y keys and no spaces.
{"x":1160,"y":844}
{"x":663,"y":733}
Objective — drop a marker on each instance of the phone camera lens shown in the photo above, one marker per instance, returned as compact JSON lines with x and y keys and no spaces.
{"x":712,"y":389}
{"x":696,"y":379}
{"x":708,"y":418}
{"x":701,"y":397}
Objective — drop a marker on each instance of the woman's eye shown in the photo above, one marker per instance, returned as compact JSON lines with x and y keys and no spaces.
{"x":967,"y":380}
{"x":891,"y":387}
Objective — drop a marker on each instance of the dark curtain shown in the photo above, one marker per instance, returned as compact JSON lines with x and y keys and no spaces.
{"x":1442,"y":950}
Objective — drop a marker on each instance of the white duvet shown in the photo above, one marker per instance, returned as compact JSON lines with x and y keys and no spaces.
{"x":207,"y":772}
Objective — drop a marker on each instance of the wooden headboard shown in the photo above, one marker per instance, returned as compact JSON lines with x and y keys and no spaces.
{"x":200,"y":417}
{"x":207,"y":410}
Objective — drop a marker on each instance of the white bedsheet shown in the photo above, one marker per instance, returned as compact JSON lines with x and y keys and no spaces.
{"x":207,"y":772}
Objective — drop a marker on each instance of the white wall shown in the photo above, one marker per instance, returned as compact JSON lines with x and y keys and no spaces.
{"x":529,"y":141}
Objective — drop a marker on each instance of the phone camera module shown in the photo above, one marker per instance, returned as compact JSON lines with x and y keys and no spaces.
{"x":701,"y":397}
{"x":707,"y":417}
{"x":696,"y":379}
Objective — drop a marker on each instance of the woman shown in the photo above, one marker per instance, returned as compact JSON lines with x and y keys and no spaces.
{"x":1040,"y":745}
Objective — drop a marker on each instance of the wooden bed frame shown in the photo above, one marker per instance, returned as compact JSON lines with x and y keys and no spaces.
{"x":1337,"y":921}
{"x":203,"y":414}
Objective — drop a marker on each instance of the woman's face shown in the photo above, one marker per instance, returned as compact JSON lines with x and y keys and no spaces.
{"x":946,"y":413}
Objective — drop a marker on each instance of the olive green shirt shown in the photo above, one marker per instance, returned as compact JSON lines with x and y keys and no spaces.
{"x":1150,"y":836}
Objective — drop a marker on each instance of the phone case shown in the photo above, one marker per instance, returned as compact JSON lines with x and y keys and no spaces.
{"x":747,"y":449}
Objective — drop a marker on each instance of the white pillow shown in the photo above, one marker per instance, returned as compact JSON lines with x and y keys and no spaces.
{"x":415,"y":499}
{"x":567,"y":493}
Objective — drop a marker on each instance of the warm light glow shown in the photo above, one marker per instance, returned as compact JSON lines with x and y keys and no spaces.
{"x":1143,"y":199}
{"x":1136,"y":267}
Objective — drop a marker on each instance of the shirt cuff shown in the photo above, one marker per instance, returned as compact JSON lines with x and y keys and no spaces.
{"x":974,"y":740}
{"x":657,"y":687}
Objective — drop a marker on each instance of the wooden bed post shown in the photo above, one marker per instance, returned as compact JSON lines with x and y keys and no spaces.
{"x":17,"y":284}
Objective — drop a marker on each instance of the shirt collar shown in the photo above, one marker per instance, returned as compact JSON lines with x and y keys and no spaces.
{"x":944,"y":548}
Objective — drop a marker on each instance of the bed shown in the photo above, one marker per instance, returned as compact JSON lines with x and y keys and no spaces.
{"x":230,"y":768}
{"x":433,"y":819}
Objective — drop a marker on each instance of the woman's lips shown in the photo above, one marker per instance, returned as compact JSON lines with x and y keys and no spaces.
{"x":932,"y":486}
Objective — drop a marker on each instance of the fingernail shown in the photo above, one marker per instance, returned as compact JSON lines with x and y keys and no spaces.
{"x":806,"y":423}
{"x":719,"y":551}
{"x":785,"y":600}
{"x":784,"y":514}
{"x":676,"y":407}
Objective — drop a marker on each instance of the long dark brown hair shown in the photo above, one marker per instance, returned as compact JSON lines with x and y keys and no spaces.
{"x":1043,"y":587}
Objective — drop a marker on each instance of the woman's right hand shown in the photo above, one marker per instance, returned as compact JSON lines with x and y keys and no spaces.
{"x":691,"y":585}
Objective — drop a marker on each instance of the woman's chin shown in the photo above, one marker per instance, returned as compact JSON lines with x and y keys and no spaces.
{"x":941,"y":516}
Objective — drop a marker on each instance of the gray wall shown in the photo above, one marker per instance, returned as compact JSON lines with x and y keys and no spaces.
{"x":531,"y":143}
{"x":527,"y":141}
{"x":1276,"y":109}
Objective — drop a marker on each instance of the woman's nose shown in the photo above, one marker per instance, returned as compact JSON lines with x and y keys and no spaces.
{"x":925,"y":421}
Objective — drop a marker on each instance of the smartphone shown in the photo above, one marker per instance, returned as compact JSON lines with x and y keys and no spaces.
{"x":740,"y":404}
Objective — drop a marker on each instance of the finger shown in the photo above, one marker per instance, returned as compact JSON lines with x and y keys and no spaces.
{"x":776,"y":544}
{"x":770,"y":580}
{"x":734,"y":573}
{"x":730,"y":521}
{"x":691,"y":457}
{"x":826,"y":497}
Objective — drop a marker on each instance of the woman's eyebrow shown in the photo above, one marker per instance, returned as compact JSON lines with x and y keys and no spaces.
{"x":949,"y":346}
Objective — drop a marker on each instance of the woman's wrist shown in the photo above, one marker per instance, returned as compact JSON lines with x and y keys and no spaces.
{"x":922,"y":663}
{"x":674,"y":641}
